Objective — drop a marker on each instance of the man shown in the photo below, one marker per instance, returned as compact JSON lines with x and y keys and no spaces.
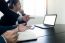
{"x":9,"y":19}
{"x":6,"y":23}
{"x":15,"y":6}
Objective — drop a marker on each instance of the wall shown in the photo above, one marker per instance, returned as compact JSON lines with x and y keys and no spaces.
{"x":57,"y":7}
{"x":36,"y":9}
{"x":60,"y":9}
{"x":51,"y":7}
{"x":37,"y":20}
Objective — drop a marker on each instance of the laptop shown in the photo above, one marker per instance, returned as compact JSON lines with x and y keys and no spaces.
{"x":49,"y":21}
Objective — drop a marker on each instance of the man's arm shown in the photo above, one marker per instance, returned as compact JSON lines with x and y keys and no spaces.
{"x":25,"y":17}
{"x":5,"y":28}
{"x":9,"y":36}
{"x":8,"y":19}
{"x":22,"y":12}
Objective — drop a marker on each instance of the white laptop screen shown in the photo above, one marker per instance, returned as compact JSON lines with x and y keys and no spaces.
{"x":50,"y":20}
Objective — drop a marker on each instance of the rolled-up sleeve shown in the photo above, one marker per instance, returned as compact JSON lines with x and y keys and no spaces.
{"x":20,"y":20}
{"x":2,"y":39}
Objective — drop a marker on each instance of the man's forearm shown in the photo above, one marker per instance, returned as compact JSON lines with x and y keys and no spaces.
{"x":5,"y":28}
{"x":22,"y":12}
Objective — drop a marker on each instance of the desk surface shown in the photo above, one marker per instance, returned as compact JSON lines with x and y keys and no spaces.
{"x":46,"y":36}
{"x":60,"y":30}
{"x":50,"y":36}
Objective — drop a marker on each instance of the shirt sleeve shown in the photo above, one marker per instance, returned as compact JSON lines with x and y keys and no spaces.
{"x":20,"y":20}
{"x":22,"y":13}
{"x":4,"y":38}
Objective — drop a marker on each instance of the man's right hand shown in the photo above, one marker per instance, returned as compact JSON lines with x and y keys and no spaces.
{"x":11,"y":36}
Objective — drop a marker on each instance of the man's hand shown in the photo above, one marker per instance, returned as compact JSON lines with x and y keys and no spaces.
{"x":26,"y":18}
{"x":11,"y":36}
{"x":21,"y":28}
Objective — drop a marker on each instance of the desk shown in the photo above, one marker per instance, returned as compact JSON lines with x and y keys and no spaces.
{"x":46,"y":36}
{"x":60,"y":33}
{"x":51,"y":35}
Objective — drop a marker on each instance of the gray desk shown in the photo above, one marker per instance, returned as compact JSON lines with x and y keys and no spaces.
{"x":60,"y":33}
{"x":48,"y":36}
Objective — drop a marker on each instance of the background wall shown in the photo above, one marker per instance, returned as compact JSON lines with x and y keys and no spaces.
{"x":36,"y":8}
{"x":57,"y":7}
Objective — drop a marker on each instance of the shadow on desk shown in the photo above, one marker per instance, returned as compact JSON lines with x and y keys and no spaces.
{"x":27,"y":40}
{"x":46,"y":39}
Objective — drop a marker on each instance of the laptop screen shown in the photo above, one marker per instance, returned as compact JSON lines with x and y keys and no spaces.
{"x":50,"y":19}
